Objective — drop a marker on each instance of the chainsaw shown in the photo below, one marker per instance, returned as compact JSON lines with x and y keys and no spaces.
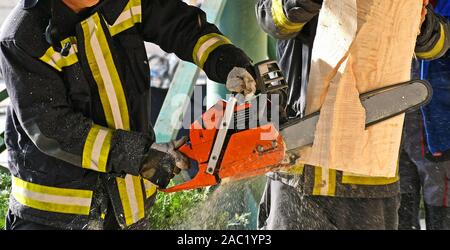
{"x":231,"y":141}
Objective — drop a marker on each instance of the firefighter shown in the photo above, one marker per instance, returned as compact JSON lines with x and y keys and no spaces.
{"x":81,"y":150}
{"x":311,"y":197}
{"x":424,"y":162}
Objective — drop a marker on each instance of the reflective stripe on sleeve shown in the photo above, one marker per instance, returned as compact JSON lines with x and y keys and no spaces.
{"x":436,"y":50}
{"x":205,"y":45}
{"x":131,"y":195}
{"x":150,"y":188}
{"x":284,"y":26}
{"x":96,"y":149}
{"x":56,"y":60}
{"x":294,"y":170}
{"x":51,"y":199}
{"x":131,"y":15}
{"x":105,"y":74}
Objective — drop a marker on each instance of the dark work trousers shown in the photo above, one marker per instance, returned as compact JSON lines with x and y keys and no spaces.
{"x":436,"y":217}
{"x":420,"y":177}
{"x":285,"y":208}
{"x":409,"y":212}
{"x":13,"y":222}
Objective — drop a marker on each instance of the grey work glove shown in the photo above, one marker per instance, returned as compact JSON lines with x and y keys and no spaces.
{"x":241,"y":81}
{"x":302,"y":11}
{"x":163,"y":162}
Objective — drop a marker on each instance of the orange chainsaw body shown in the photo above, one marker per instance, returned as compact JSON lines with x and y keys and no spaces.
{"x":246,"y":153}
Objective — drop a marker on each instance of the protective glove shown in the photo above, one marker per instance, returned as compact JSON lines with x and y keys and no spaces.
{"x":302,"y":11}
{"x":163,"y":162}
{"x":240,"y":80}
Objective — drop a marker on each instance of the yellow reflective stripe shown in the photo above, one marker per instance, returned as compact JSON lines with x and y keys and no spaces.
{"x":324,"y":182}
{"x":97,"y":76}
{"x":96,"y":149}
{"x":137,"y":184}
{"x":130,"y":191}
{"x":332,"y":182}
{"x":437,"y":48}
{"x":49,"y":57}
{"x":131,"y":15}
{"x":318,"y":183}
{"x":281,"y":21}
{"x":294,"y":170}
{"x":125,"y":203}
{"x":51,"y":199}
{"x":205,"y":45}
{"x":51,"y":207}
{"x":355,"y":179}
{"x":105,"y":73}
{"x":150,"y":188}
{"x":57,"y":61}
{"x":349,"y":178}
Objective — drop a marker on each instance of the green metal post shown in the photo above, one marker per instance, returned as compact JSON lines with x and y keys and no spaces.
{"x":272,"y":48}
{"x":238,"y":22}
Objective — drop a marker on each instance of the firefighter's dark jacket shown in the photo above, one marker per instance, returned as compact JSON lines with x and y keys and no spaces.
{"x":294,"y":24}
{"x":77,"y":129}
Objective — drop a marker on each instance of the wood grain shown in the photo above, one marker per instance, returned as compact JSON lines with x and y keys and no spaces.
{"x":361,"y":45}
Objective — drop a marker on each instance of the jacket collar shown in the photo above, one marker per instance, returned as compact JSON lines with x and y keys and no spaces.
{"x":111,"y":9}
{"x":66,"y":20}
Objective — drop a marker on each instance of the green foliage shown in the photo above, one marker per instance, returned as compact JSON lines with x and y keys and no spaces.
{"x":5,"y":189}
{"x":170,"y":210}
{"x":221,"y":208}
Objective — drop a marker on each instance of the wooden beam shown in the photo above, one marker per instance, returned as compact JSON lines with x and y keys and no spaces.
{"x":361,"y":45}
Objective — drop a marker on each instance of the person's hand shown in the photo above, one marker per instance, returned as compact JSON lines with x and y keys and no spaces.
{"x":241,"y":81}
{"x":163,"y":162}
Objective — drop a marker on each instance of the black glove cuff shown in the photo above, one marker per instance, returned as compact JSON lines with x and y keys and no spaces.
{"x":158,"y":168}
{"x":429,"y":32}
{"x":128,"y":151}
{"x":223,"y":59}
{"x":302,"y":11}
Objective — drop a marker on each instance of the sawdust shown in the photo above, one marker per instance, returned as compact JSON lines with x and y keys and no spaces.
{"x":231,"y":206}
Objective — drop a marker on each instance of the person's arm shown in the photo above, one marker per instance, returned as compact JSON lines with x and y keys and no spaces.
{"x":183,"y":29}
{"x":284,"y":19}
{"x":39,"y":98}
{"x":434,"y":39}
